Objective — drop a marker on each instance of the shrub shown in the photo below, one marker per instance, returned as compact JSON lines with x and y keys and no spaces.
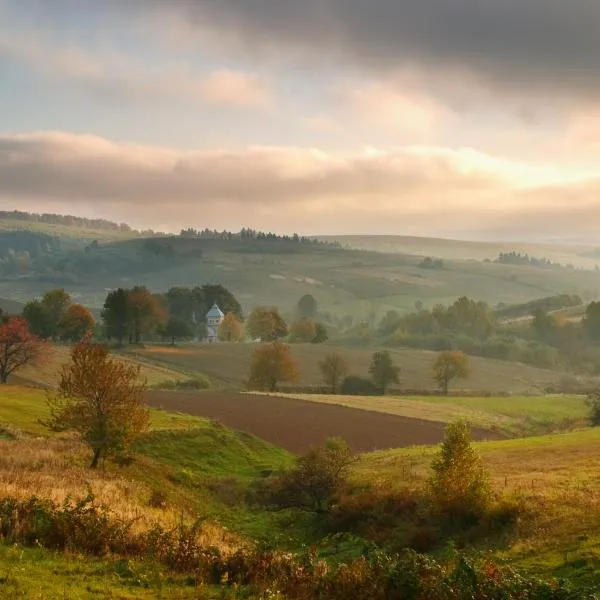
{"x":315,"y":481}
{"x":459,"y":485}
{"x":359,"y":386}
{"x":593,"y":401}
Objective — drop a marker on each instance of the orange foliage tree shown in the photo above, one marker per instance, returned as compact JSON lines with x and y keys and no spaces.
{"x":230,"y":329}
{"x":76,"y":323}
{"x":18,"y":347}
{"x":271,"y":364}
{"x":101,"y":399}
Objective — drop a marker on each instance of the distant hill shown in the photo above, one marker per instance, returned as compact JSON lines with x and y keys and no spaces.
{"x":11,"y":307}
{"x":578,"y":255}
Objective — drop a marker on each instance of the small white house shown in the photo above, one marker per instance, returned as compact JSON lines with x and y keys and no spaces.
{"x":214,"y":317}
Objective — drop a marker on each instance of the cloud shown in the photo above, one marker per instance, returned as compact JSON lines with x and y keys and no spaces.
{"x":111,"y":75}
{"x":510,"y":44}
{"x":382,"y":105}
{"x":375,"y":190}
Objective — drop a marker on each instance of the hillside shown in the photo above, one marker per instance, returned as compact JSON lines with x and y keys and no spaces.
{"x":579,"y":255}
{"x":228,"y":364}
{"x":345,"y":282}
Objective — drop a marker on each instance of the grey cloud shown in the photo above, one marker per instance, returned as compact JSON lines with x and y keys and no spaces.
{"x":524,"y":44}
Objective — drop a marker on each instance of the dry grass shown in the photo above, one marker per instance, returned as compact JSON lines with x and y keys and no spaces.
{"x":47,"y":374}
{"x":556,"y":476}
{"x":229,"y":364}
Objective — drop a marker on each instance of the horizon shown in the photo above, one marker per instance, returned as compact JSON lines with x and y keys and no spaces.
{"x":465,"y":122}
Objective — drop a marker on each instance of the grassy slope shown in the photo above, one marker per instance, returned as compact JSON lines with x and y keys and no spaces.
{"x":515,"y":415}
{"x":343,"y":281}
{"x":229,"y":364}
{"x":200,"y":465}
{"x":204,"y":467}
{"x":46,"y":374}
{"x":556,"y":475}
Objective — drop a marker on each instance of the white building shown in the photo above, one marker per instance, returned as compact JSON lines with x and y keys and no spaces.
{"x":214,"y":317}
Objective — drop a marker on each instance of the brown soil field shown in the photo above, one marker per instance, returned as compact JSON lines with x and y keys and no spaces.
{"x":296,"y":425}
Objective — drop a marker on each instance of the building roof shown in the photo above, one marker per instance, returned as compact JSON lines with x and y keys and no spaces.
{"x":215,"y":312}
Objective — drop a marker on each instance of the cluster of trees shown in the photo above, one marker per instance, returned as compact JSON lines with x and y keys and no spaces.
{"x":432,"y":263}
{"x":273,"y":364}
{"x":457,"y":492}
{"x":65,"y":220}
{"x":180,"y":313}
{"x":516,"y":258}
{"x":248,"y":234}
{"x":56,"y":317}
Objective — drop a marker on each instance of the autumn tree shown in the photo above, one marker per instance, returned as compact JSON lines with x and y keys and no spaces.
{"x":101,"y":399}
{"x":303,"y":331}
{"x":307,"y":307}
{"x":316,"y":480}
{"x":266,"y":324}
{"x":230,"y":329}
{"x":271,"y":364}
{"x":459,"y":485}
{"x":448,"y":366}
{"x":383,"y":371}
{"x":144,"y":313}
{"x":18,"y":347}
{"x":333,"y":369}
{"x":115,"y":315}
{"x":76,"y":323}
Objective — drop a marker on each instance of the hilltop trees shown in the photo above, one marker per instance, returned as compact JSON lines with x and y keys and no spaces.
{"x":333,"y":369}
{"x":18,"y":347}
{"x":448,"y":366}
{"x":101,"y":399}
{"x":383,"y":371}
{"x":271,"y":364}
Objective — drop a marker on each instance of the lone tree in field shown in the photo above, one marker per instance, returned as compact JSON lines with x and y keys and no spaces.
{"x":18,"y":347}
{"x":448,"y":366}
{"x":307,"y":307}
{"x":319,"y":476}
{"x":101,"y":399}
{"x":459,"y":485}
{"x":333,"y":369}
{"x":271,"y":364}
{"x":383,"y":371}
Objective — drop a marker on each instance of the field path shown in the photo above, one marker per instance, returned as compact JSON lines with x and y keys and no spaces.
{"x":296,"y":424}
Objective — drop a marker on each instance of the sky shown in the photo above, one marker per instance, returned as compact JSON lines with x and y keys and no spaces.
{"x":472,"y":119}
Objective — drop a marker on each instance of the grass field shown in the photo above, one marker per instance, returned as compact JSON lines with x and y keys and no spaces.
{"x":556,"y":476}
{"x":514,"y":415}
{"x":46,"y":375}
{"x":203,"y":468}
{"x":228,"y":365}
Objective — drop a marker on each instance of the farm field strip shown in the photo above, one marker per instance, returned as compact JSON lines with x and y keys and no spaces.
{"x":512,"y":415}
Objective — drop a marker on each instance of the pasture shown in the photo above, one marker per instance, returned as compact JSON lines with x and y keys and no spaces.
{"x":228,"y":365}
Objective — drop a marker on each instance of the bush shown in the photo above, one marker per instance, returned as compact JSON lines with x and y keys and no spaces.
{"x":593,"y":401}
{"x":359,"y":386}
{"x":459,"y":485}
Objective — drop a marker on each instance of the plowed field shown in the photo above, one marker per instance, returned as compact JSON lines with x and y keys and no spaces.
{"x":296,"y":425}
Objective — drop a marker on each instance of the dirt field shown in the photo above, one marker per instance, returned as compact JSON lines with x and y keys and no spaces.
{"x":296,"y":425}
